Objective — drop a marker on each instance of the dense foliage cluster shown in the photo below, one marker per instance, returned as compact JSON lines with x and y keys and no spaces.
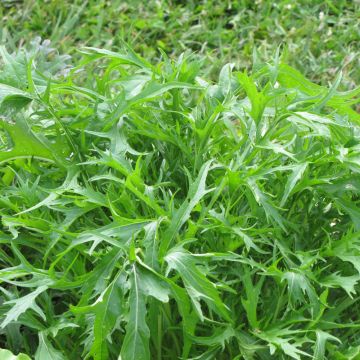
{"x":149,"y":213}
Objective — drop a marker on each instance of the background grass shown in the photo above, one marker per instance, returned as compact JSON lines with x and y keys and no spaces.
{"x":318,"y":37}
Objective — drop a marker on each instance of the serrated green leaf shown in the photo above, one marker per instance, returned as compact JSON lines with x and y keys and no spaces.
{"x":196,"y":191}
{"x":321,"y":338}
{"x":196,"y":283}
{"x":22,"y":304}
{"x":108,"y":309}
{"x":136,"y":341}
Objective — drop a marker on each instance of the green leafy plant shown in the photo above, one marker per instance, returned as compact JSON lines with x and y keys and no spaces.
{"x":148,"y":213}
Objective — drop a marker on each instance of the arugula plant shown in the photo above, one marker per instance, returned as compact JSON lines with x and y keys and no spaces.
{"x":147,"y":213}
